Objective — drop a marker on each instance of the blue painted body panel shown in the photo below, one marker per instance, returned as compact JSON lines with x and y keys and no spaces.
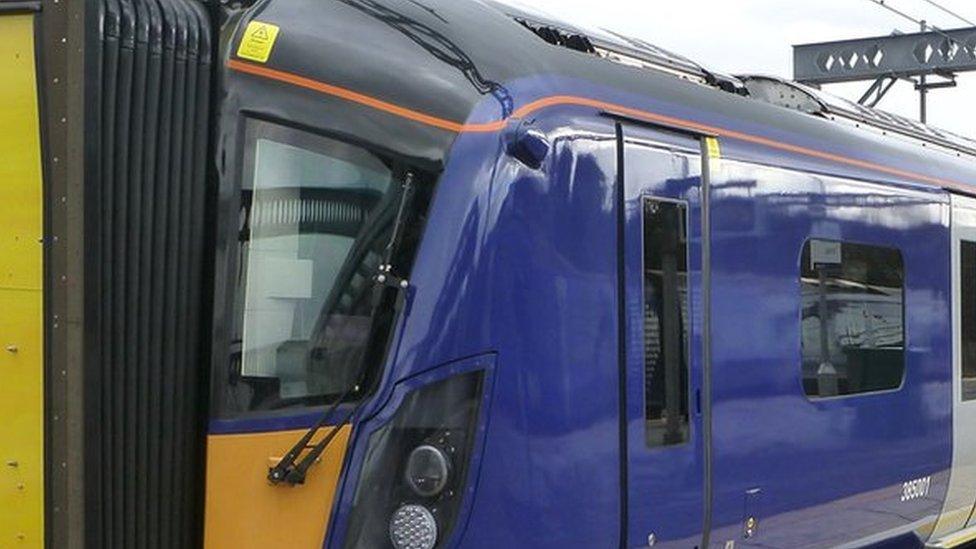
{"x":528,"y":271}
{"x":831,"y":470}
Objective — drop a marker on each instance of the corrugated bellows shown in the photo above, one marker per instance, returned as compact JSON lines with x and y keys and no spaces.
{"x":144,"y":246}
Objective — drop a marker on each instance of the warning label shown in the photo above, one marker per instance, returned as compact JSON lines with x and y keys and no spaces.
{"x":258,"y":41}
{"x":714,"y":149}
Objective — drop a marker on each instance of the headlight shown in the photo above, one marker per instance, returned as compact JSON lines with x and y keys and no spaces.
{"x":413,"y":527}
{"x":412,"y":481}
{"x":428,"y":470}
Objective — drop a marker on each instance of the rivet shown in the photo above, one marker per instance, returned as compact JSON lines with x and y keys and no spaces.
{"x":11,"y":348}
{"x":12,"y":463}
{"x":21,"y":537}
{"x":20,"y":486}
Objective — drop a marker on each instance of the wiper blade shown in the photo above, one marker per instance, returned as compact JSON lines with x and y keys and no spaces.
{"x":289,"y":469}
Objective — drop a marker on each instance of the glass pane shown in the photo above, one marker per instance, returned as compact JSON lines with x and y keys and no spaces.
{"x":315,"y":217}
{"x":853,"y":334}
{"x":967,"y":258}
{"x":665,"y":323}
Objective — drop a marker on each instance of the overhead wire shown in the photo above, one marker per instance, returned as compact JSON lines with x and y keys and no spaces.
{"x":922,"y":24}
{"x":944,"y":9}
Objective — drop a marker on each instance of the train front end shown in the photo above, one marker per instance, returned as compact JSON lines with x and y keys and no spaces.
{"x":350,"y":391}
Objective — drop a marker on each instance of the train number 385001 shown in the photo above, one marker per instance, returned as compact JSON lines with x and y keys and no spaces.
{"x":914,"y":489}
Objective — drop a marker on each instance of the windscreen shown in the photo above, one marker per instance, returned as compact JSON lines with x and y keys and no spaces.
{"x":316,"y":218}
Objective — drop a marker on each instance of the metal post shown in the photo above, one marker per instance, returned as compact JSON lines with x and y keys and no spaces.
{"x":922,"y":90}
{"x":923,"y":96}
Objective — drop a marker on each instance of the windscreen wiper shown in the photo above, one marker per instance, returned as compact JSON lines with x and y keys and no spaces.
{"x":289,"y":469}
{"x":386,"y":275}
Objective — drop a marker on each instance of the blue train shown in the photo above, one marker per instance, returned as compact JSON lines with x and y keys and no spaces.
{"x":657,"y":306}
{"x":454,"y":274}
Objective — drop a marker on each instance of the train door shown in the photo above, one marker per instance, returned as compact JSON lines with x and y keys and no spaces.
{"x":957,"y":512}
{"x":663,"y":337}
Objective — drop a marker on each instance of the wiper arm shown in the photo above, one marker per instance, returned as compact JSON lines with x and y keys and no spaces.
{"x":386,"y":275}
{"x":289,"y":469}
{"x":292,"y":471}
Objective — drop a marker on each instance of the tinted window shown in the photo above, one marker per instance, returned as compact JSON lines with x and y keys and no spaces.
{"x":853,"y":334}
{"x":967,"y":258}
{"x":665,"y":317}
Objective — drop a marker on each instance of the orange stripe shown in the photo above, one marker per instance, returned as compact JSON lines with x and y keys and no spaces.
{"x":362,"y":99}
{"x":545,"y":102}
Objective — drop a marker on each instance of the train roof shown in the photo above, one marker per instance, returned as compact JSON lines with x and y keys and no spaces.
{"x":619,"y":48}
{"x":449,"y":58}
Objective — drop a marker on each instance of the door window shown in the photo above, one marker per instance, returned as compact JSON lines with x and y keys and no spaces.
{"x":665,"y":322}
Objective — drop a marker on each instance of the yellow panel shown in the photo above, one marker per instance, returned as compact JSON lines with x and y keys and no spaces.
{"x":21,"y":301}
{"x":245,"y":511}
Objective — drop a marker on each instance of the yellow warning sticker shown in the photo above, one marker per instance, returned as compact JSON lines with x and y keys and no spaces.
{"x":714,"y":149}
{"x":258,"y":41}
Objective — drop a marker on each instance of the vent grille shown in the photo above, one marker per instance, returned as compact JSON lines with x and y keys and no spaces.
{"x":617,"y":48}
{"x":801,"y":97}
{"x":557,"y":37}
{"x":144,"y":265}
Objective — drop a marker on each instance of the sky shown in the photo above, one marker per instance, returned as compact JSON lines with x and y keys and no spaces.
{"x":756,"y":37}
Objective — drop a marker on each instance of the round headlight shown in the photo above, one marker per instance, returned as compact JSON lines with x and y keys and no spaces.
{"x":428,"y":470}
{"x":413,"y":527}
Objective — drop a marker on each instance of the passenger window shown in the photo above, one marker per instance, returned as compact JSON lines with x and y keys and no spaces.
{"x":967,"y":329}
{"x":665,"y":323}
{"x":853,"y":334}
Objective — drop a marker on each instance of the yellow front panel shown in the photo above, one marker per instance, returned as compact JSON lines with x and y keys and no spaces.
{"x":21,"y":299}
{"x":244,"y":511}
